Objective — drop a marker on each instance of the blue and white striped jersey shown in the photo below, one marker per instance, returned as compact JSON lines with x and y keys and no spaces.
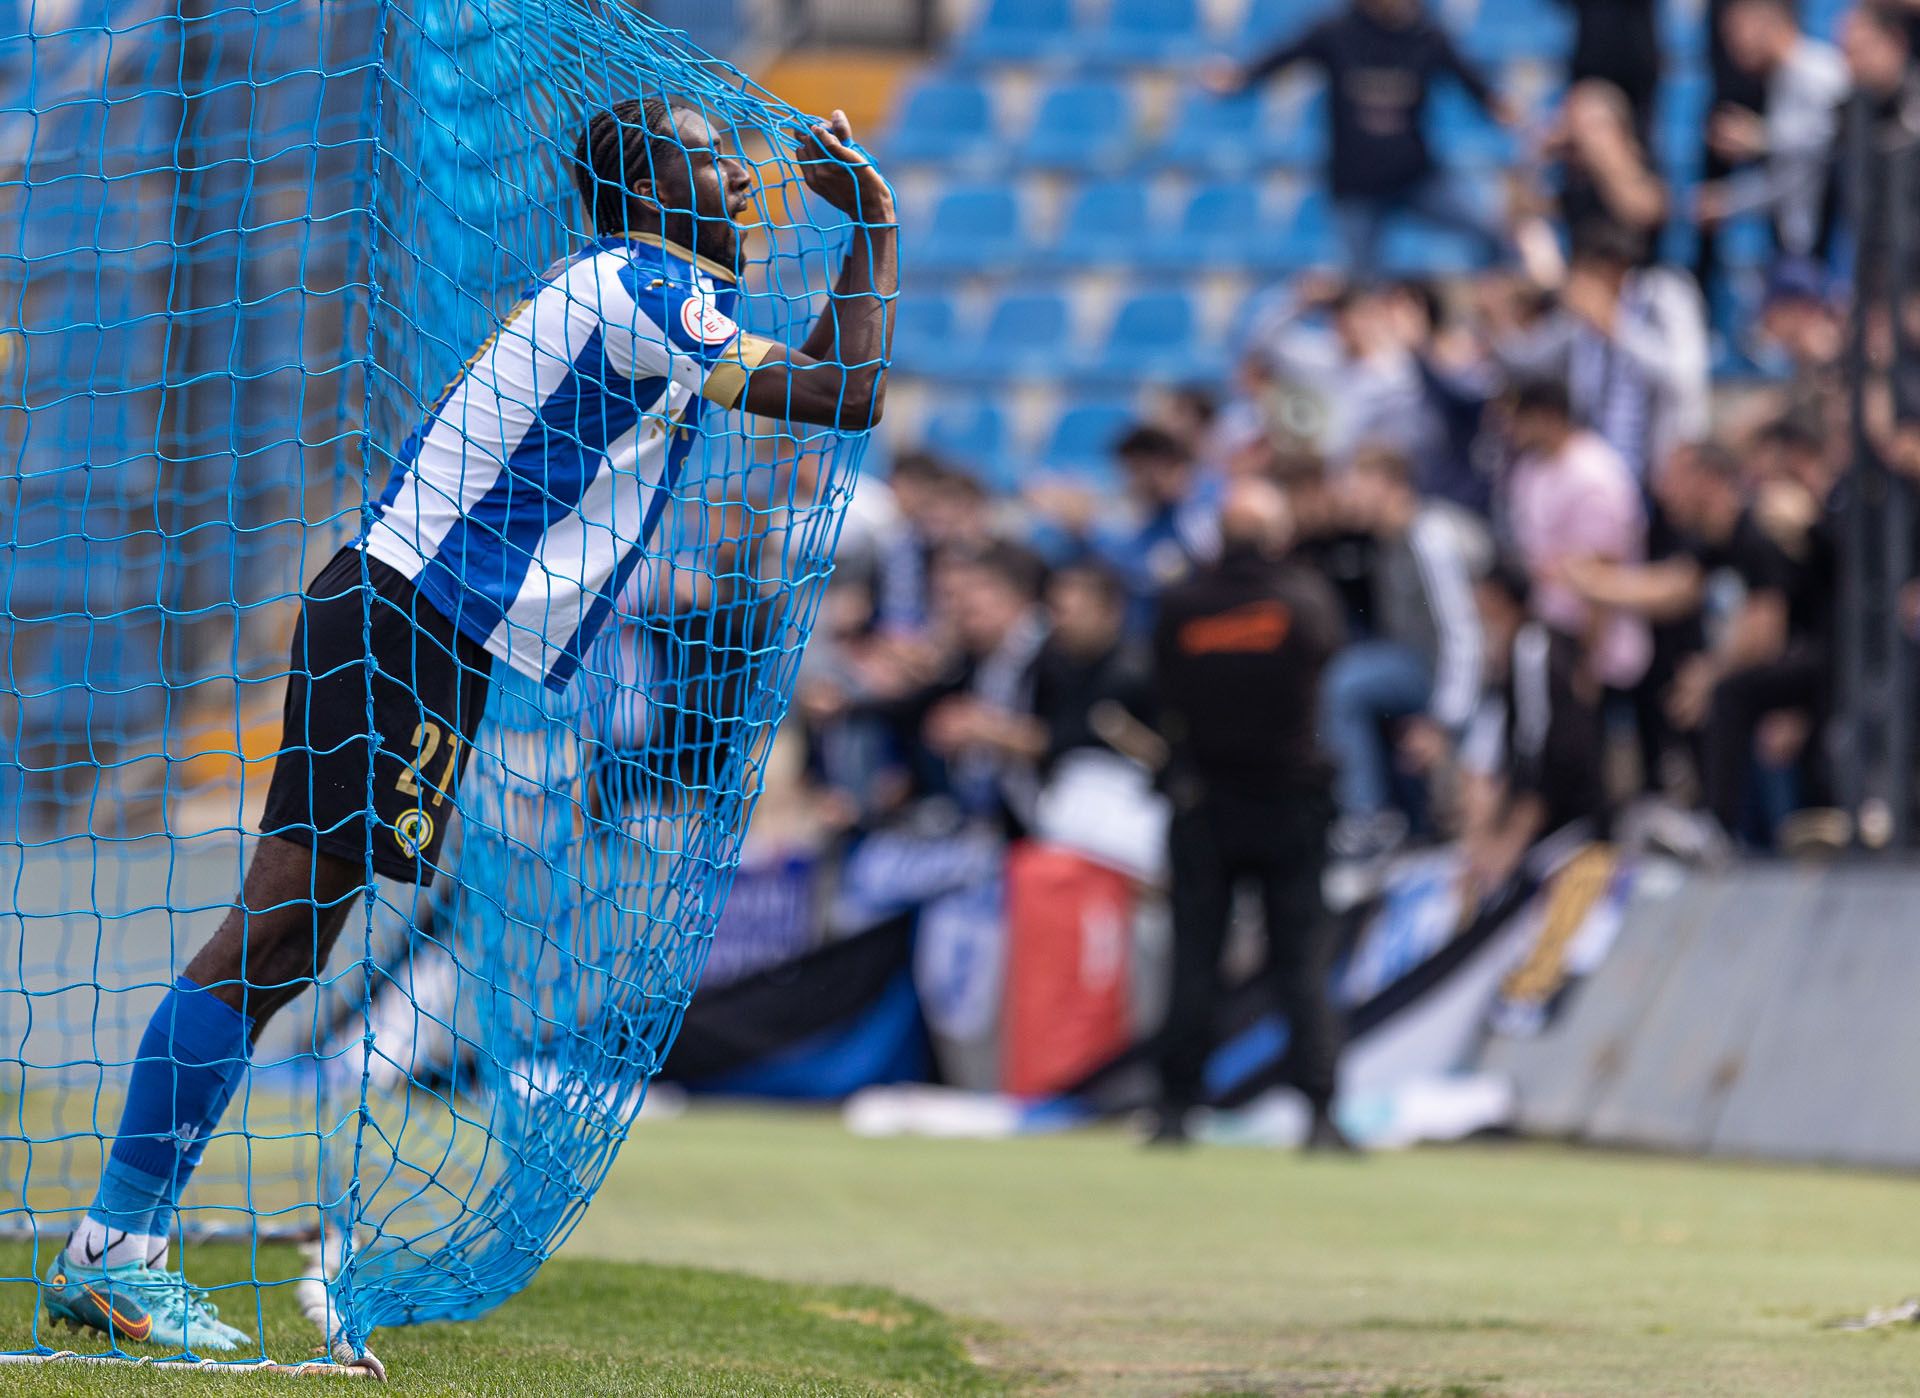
{"x":524,"y":501}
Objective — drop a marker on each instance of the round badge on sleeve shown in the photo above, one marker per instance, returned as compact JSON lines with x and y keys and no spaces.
{"x":701,"y":319}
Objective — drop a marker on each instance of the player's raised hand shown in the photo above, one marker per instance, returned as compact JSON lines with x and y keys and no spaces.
{"x":840,"y":174}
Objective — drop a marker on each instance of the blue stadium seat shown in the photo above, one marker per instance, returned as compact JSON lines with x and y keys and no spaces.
{"x":1086,"y":124}
{"x":1222,"y":226}
{"x":1683,"y":34}
{"x":1746,"y":241}
{"x":1296,"y":132}
{"x":1464,"y":135}
{"x":1411,"y":247}
{"x":1267,"y":22}
{"x":1156,"y":335}
{"x":1027,"y":334}
{"x":1821,"y":18}
{"x":1508,"y":31}
{"x":1308,"y":237}
{"x":1081,"y":442}
{"x":926,"y":334}
{"x":972,"y":430}
{"x":943,"y":120}
{"x":974,"y":227}
{"x":1209,"y":135}
{"x":1153,"y":32}
{"x":1021,"y":31}
{"x":1108,"y":223}
{"x":1679,"y":120}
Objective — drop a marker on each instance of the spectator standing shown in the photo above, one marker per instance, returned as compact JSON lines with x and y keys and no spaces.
{"x":1380,"y":58}
{"x":1731,"y":86}
{"x":1630,"y":343}
{"x":1570,"y":497}
{"x":1421,"y":665}
{"x":1606,"y":173}
{"x":1806,"y":80}
{"x":1238,"y":653}
{"x":1617,"y":42}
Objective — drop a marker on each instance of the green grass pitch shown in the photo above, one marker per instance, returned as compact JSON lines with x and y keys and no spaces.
{"x":737,"y":1252}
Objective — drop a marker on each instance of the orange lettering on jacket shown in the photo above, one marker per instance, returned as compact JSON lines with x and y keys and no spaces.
{"x":1250,"y":630}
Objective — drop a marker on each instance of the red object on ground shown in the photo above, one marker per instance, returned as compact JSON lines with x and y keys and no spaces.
{"x":1069,"y":945}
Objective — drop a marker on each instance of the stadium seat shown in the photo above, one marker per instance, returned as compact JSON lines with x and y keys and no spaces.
{"x":1156,"y":335}
{"x":1209,"y":135}
{"x":1108,"y":223}
{"x":1267,"y":22}
{"x":1027,"y":334}
{"x":1746,"y":241}
{"x":1021,"y":31}
{"x":943,"y":120}
{"x":1222,"y":227}
{"x":969,"y":430}
{"x":1820,"y":18}
{"x":1509,"y":31}
{"x":1411,"y":247}
{"x":974,"y":227}
{"x":1081,"y":442}
{"x":1679,"y":120}
{"x":926,"y":336}
{"x":1296,"y":130}
{"x":1085,"y":124}
{"x":1154,"y":32}
{"x":1463,"y":135}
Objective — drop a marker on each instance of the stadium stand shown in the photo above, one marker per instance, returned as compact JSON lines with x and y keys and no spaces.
{"x":1071,"y":140}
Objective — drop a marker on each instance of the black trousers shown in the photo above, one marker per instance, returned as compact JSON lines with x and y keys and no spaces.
{"x":1740,"y":702}
{"x":1279,"y":844}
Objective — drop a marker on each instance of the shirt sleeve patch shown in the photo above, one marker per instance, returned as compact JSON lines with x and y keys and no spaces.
{"x":704,"y":323}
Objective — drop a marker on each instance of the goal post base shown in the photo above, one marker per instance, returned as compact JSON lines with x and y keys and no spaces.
{"x":365,"y":1367}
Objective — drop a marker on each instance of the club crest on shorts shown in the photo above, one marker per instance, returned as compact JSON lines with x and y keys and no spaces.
{"x":701,"y":319}
{"x":413,"y":832}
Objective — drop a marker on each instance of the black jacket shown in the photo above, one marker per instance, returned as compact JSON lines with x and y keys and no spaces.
{"x":1378,"y":78}
{"x":1238,"y":649}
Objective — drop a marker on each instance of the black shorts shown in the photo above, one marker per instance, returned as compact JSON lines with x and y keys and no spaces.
{"x":384,"y":695}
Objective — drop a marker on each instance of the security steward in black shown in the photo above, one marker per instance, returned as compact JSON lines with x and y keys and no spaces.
{"x":1238,"y":652}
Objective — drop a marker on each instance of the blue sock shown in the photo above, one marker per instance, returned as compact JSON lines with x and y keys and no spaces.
{"x":191,"y":1059}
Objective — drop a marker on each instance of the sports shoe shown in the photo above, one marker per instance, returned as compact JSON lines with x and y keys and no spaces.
{"x":140,"y":1303}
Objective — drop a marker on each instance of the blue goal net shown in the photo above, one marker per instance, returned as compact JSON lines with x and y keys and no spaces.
{"x":245,"y":247}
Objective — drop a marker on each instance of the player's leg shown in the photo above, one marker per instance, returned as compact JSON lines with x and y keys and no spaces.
{"x":190,"y":1062}
{"x":382,"y":701}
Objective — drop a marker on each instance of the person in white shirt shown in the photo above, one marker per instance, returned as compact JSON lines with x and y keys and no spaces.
{"x":1630,"y":343}
{"x":1806,"y":82}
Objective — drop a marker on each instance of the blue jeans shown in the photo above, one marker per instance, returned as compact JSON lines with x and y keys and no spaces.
{"x":1444,"y":198}
{"x":1368,"y":684}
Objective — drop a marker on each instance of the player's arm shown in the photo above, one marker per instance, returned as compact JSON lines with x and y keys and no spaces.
{"x":837,"y":378}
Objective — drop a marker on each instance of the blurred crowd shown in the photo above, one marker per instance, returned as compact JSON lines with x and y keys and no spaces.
{"x":1573,"y":575}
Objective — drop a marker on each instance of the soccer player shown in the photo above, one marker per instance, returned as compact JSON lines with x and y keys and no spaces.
{"x":512,"y":520}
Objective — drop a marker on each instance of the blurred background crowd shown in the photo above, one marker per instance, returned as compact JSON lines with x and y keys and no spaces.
{"x":1535,"y":362}
{"x":1590,"y":339}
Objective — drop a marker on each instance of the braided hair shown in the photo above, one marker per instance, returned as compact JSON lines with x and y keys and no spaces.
{"x":619,"y":149}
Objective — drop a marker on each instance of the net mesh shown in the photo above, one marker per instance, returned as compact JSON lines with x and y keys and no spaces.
{"x":246,"y":246}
